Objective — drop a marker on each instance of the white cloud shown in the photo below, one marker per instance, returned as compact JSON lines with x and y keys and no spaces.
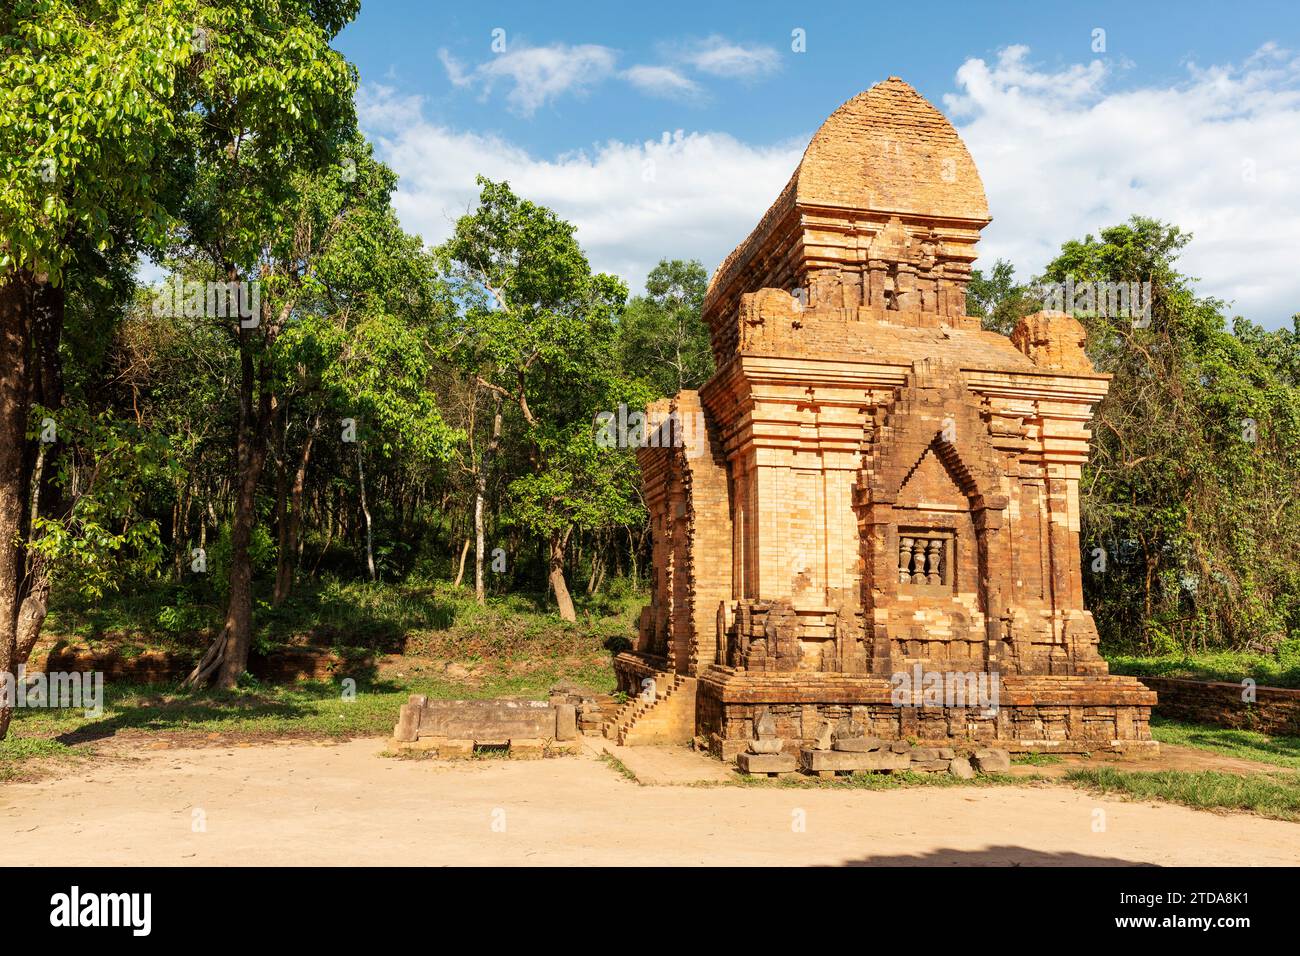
{"x":456,"y":71}
{"x":721,"y":57}
{"x":662,"y":81}
{"x":684,"y":195}
{"x":536,"y":75}
{"x":1063,"y":153}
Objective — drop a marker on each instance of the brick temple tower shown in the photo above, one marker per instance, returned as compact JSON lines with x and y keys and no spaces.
{"x":871,"y":485}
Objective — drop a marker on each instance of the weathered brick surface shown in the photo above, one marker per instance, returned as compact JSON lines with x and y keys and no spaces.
{"x":1274,"y":710}
{"x":160,"y":667}
{"x":880,"y":484}
{"x":883,"y":212}
{"x":150,"y":667}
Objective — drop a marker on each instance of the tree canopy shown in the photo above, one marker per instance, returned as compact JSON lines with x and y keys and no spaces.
{"x":384,"y":408}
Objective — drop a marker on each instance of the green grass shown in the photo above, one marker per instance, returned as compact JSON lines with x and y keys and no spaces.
{"x":17,"y":752}
{"x":307,"y":709}
{"x":1274,"y":795}
{"x":1036,"y":760}
{"x":618,"y":766}
{"x":1281,"y":669}
{"x":515,"y":646}
{"x":1248,"y":744}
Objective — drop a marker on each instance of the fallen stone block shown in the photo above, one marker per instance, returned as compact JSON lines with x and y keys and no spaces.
{"x":773,"y":745}
{"x":933,"y":753}
{"x":929,"y":766}
{"x":833,"y":761}
{"x":485,"y":720}
{"x":859,"y":745}
{"x":960,"y":767}
{"x":992,"y":761}
{"x":767,"y":763}
{"x":527,"y":747}
{"x":408,"y":723}
{"x":486,"y":723}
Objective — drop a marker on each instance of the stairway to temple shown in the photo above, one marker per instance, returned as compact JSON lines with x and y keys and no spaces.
{"x":668,"y":719}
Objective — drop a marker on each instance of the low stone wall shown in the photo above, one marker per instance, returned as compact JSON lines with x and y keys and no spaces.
{"x":165,"y":667}
{"x":308,"y":663}
{"x":150,"y":667}
{"x":1275,"y":710}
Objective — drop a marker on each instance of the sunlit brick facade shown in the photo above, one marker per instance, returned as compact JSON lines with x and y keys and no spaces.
{"x":870,"y":482}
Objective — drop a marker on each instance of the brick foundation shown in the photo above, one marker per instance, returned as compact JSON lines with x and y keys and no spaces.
{"x":1061,"y":715}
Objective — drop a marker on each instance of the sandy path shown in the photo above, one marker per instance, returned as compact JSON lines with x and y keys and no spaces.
{"x":342,"y":804}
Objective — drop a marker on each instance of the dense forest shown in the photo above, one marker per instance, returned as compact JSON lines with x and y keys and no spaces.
{"x":314,"y":391}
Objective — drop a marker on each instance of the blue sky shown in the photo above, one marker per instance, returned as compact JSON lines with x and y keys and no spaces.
{"x":666,"y":129}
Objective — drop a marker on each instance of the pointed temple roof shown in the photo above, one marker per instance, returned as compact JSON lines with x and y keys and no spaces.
{"x":886,"y":151}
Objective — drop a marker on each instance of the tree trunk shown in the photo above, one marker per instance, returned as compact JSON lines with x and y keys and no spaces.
{"x":464,"y":553}
{"x":281,"y":513}
{"x":15,"y":323}
{"x":365,"y":511}
{"x":250,"y":457}
{"x":31,"y":325}
{"x":180,"y":531}
{"x":556,"y":577}
{"x":480,"y":492}
{"x":47,"y":497}
{"x":238,"y":628}
{"x":286,"y":566}
{"x":480,"y":593}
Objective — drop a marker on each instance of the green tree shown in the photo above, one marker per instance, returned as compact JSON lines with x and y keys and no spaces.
{"x":87,"y":108}
{"x":662,"y":338}
{"x":1190,"y":487}
{"x":998,"y":299}
{"x":362,"y":343}
{"x":538,"y":329}
{"x":272,"y":100}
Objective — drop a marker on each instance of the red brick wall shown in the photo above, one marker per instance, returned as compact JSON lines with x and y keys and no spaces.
{"x":1275,"y":710}
{"x":160,"y":667}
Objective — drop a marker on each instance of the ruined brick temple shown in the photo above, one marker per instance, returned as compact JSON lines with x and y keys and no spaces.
{"x":871,"y":485}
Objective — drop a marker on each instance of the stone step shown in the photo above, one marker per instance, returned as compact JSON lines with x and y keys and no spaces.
{"x":638,"y":713}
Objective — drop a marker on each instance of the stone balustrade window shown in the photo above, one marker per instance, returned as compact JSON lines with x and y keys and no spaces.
{"x":925,"y":558}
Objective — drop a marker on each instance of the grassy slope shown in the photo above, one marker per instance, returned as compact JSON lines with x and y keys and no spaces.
{"x":416,"y":617}
{"x":1275,"y":670}
{"x":449,"y":647}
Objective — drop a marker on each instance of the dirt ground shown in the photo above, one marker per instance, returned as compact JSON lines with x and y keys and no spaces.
{"x":343,"y":804}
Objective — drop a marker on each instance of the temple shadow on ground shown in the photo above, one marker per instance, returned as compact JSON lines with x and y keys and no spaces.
{"x":993,"y":856}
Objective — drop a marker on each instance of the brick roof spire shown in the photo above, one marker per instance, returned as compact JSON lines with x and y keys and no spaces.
{"x":885,"y":154}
